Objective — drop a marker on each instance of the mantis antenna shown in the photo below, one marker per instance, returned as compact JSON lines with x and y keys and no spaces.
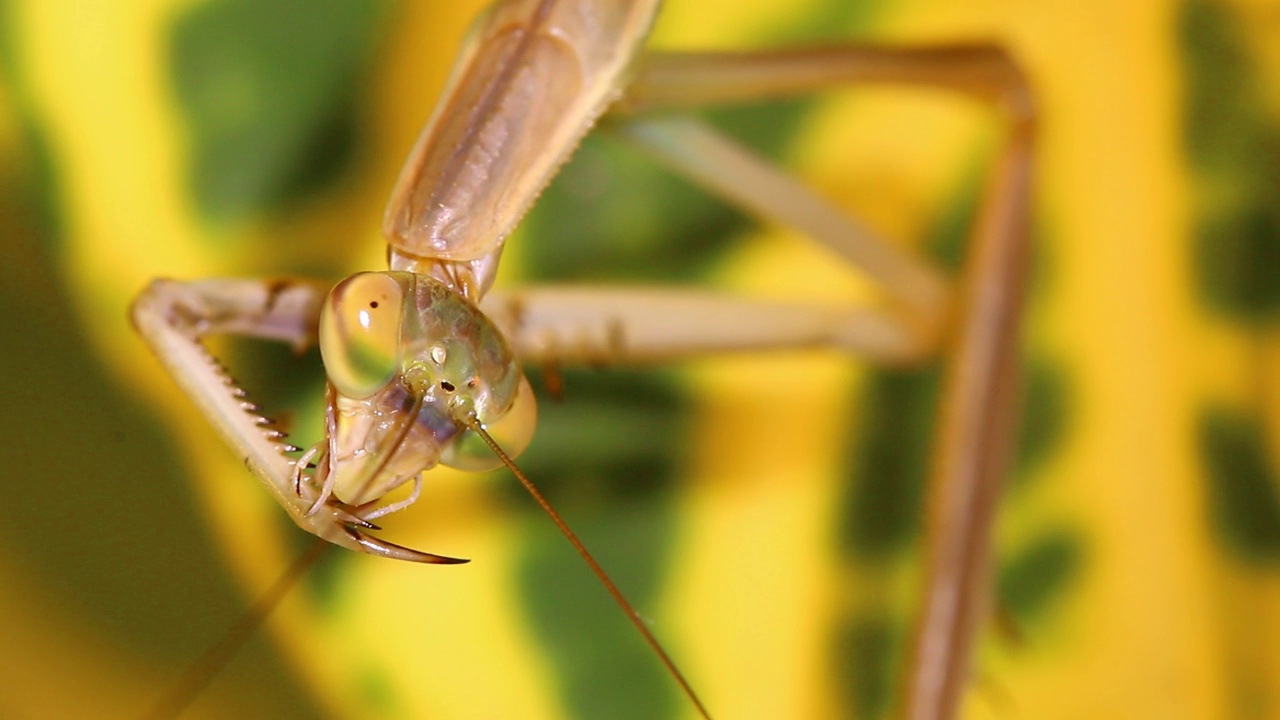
{"x":216,"y":657}
{"x":474,"y":425}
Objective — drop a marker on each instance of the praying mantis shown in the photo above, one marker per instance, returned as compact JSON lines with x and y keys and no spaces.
{"x":136,"y":537}
{"x":403,"y":395}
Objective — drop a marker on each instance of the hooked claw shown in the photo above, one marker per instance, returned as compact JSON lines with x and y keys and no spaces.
{"x":378,"y":546}
{"x":344,"y":525}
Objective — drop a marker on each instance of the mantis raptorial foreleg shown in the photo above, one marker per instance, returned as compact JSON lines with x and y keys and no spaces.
{"x":174,"y":316}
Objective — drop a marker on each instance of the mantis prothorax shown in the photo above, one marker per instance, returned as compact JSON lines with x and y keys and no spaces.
{"x":423,"y":361}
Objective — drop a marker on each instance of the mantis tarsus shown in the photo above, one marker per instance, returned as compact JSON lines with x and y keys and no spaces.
{"x":406,"y":391}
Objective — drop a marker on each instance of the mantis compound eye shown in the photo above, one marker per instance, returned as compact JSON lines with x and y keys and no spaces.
{"x":360,"y":332}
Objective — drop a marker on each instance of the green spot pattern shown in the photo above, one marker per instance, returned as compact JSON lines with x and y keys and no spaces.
{"x":1233,"y":141}
{"x":1036,"y":574}
{"x":871,"y":649}
{"x":269,"y":91}
{"x":1243,"y":501}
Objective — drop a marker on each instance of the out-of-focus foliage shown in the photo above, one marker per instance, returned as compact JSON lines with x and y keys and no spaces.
{"x":764,"y":511}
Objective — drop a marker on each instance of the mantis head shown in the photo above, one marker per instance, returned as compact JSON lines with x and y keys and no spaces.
{"x":413,"y":368}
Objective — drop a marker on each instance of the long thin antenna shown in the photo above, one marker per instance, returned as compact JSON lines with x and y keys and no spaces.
{"x":618,"y":597}
{"x":185,"y":691}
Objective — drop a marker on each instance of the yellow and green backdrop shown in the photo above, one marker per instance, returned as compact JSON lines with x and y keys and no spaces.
{"x":763,"y":511}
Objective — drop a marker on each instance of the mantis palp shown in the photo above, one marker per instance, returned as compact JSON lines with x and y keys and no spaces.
{"x":534,"y":78}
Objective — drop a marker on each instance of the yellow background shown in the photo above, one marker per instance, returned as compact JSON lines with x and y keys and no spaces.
{"x":1161,"y":620}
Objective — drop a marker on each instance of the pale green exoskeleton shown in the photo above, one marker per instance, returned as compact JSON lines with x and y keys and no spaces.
{"x":423,"y":361}
{"x":413,"y":369}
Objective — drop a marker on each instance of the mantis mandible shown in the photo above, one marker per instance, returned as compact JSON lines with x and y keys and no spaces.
{"x":424,"y":360}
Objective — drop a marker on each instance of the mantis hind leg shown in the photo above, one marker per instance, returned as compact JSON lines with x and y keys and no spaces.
{"x":977,"y":414}
{"x":972,"y":321}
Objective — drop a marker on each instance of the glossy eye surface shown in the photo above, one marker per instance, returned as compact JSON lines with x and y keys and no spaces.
{"x":512,"y":431}
{"x":360,"y":332}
